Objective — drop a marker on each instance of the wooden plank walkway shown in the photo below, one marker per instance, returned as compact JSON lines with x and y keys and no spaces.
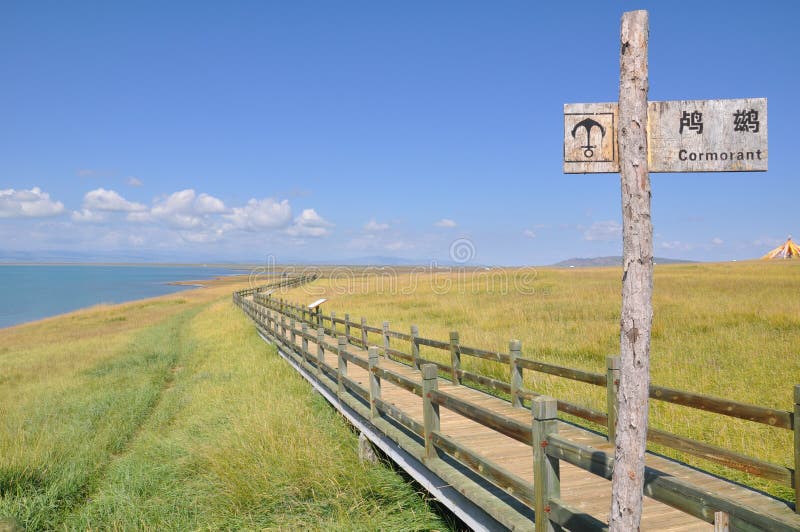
{"x":582,"y":490}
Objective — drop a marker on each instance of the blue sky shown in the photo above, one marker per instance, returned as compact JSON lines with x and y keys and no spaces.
{"x":328,"y":131}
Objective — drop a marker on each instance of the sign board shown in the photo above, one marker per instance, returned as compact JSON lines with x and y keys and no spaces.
{"x":682,"y":136}
{"x":590,"y":138}
{"x":317,"y":303}
{"x":708,"y":135}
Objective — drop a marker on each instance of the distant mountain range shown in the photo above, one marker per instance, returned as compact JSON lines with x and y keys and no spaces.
{"x":610,"y":261}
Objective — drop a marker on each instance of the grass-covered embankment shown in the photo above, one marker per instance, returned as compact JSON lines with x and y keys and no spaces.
{"x":172,"y":413}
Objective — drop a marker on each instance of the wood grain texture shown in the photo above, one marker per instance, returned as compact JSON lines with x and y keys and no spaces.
{"x":637,"y":279}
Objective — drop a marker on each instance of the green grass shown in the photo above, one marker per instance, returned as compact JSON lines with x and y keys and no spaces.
{"x":184,"y":421}
{"x":728,"y":330}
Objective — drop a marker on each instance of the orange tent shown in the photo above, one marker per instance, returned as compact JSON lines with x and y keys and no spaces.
{"x":789,"y":250}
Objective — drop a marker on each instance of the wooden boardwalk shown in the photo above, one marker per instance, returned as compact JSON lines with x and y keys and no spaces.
{"x":583,"y":492}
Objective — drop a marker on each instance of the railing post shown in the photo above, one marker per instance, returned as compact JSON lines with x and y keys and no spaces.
{"x":374,"y":381}
{"x":364,"y":332}
{"x":283,"y":326}
{"x":342,"y":372}
{"x":722,"y":522}
{"x":304,"y":340}
{"x":612,"y":400}
{"x":455,"y":357}
{"x":430,"y":410}
{"x":386,"y":339}
{"x":320,"y":350}
{"x":293,"y":333}
{"x":546,"y":482}
{"x":347,"y":326}
{"x":270,"y":324}
{"x":797,"y":448}
{"x":514,"y":349}
{"x":415,"y":346}
{"x":333,"y":323}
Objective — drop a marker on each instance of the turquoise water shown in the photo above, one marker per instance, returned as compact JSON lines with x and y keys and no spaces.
{"x":33,"y":292}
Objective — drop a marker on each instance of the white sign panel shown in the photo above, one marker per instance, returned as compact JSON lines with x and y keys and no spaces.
{"x":708,"y":135}
{"x":682,"y":136}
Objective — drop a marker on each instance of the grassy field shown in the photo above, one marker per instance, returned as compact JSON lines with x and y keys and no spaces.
{"x":729,"y":330}
{"x":171,"y":413}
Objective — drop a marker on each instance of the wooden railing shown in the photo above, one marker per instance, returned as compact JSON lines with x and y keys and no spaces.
{"x":279,"y":319}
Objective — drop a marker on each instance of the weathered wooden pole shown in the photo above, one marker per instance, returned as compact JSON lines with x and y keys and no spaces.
{"x":546,"y":473}
{"x":515,"y":349}
{"x":637,"y":277}
{"x":415,"y":346}
{"x":455,"y":357}
{"x":797,"y":448}
{"x":430,"y":410}
{"x":364,"y":332}
{"x":374,"y":381}
{"x":612,"y":395}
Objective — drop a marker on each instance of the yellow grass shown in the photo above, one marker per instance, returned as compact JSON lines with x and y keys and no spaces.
{"x":728,"y":330}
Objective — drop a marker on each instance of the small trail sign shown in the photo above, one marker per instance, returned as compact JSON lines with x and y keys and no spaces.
{"x":590,"y":138}
{"x":682,"y":136}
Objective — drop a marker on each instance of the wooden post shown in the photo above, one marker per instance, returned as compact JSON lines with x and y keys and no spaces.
{"x":342,"y":372}
{"x":797,"y":448}
{"x":514,"y":348}
{"x":347,"y":326}
{"x":546,"y":481}
{"x":415,"y":346}
{"x":455,"y":357}
{"x":374,"y":381}
{"x":333,"y":323}
{"x":304,"y":341}
{"x":430,"y":410}
{"x":722,"y":522}
{"x":320,"y":350}
{"x":637,"y":279}
{"x":612,"y":397}
{"x":293,"y":333}
{"x":386,"y":339}
{"x":364,"y":332}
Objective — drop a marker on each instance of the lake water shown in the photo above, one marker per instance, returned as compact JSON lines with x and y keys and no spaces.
{"x":33,"y":292}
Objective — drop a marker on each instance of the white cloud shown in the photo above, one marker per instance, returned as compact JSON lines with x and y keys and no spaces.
{"x":398,"y":245}
{"x":88,"y":216}
{"x":309,"y":223}
{"x":101,"y":199}
{"x":604,"y":231}
{"x":373,"y":226}
{"x":185,"y":209}
{"x":445,"y":222}
{"x":31,"y":203}
{"x":528,"y":233}
{"x":202,"y":237}
{"x":139,"y":216}
{"x":717,"y":241}
{"x":206,"y":204}
{"x":675,"y":245}
{"x":261,"y":214}
{"x":134,"y":182}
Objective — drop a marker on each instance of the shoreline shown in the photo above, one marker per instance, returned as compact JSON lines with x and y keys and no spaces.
{"x":179,"y":287}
